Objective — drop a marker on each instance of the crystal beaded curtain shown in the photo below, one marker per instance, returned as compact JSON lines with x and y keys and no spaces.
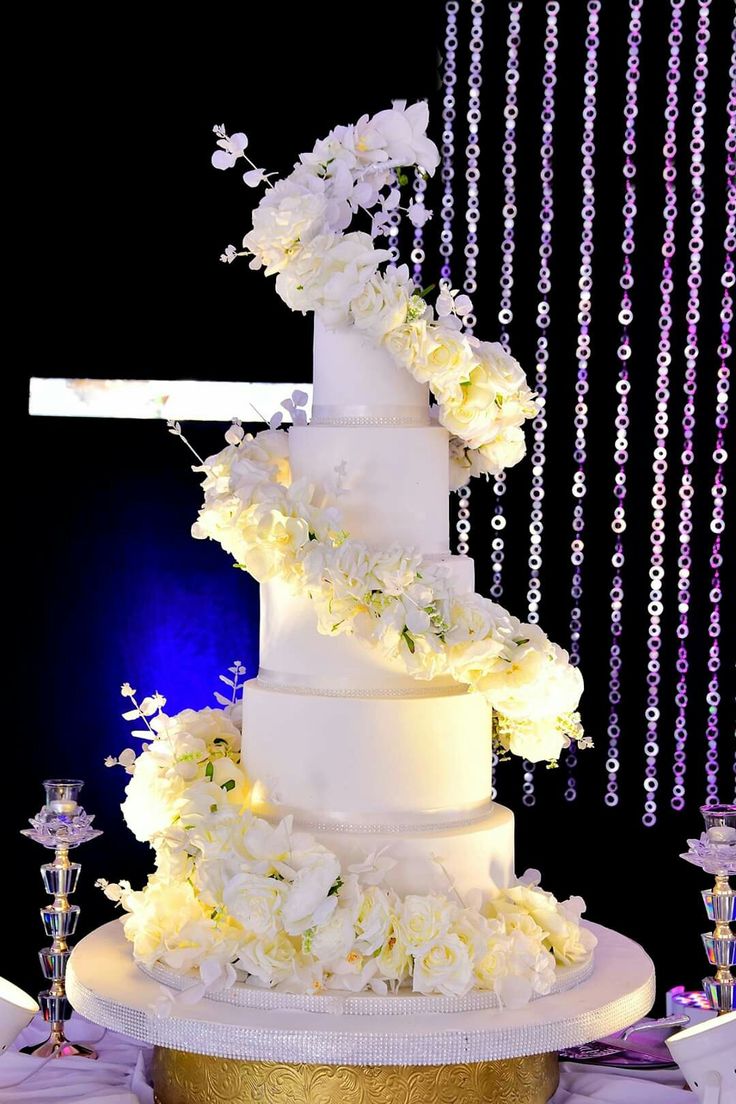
{"x":594,"y":137}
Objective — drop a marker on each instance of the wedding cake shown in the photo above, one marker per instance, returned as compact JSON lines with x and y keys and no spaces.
{"x":363,"y":755}
{"x":348,"y":840}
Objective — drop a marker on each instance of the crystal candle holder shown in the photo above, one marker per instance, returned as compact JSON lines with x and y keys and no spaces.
{"x":715,"y":853}
{"x":61,"y":825}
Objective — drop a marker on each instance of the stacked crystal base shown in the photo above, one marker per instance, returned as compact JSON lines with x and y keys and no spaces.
{"x":715,"y":852}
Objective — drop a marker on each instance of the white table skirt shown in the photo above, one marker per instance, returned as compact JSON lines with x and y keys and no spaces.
{"x":120,"y":1075}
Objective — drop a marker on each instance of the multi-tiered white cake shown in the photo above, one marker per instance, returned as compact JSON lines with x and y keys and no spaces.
{"x":349,"y":840}
{"x":363,"y":755}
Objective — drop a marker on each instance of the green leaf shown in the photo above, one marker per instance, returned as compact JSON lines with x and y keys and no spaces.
{"x":209,"y":771}
{"x":229,"y":785}
{"x":213,"y":808}
{"x":409,"y":640}
{"x":403,"y":179}
{"x":336,"y":887}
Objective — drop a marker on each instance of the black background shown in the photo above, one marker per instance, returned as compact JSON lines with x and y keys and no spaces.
{"x":120,"y":220}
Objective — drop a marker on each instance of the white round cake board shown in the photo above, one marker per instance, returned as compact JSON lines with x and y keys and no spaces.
{"x":106,"y":986}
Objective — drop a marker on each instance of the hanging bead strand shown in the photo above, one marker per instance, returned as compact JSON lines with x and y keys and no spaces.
{"x":686,"y":490}
{"x":582,"y":352}
{"x":720,"y":455}
{"x":472,"y":216}
{"x":418,"y":255}
{"x":661,"y":429}
{"x":546,"y":217}
{"x":508,"y":247}
{"x":623,"y":388}
{"x":472,"y":154}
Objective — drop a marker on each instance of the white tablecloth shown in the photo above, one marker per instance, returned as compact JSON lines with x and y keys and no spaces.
{"x":120,"y":1075}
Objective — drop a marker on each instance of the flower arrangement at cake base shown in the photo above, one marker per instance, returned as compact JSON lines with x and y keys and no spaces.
{"x":236,"y":897}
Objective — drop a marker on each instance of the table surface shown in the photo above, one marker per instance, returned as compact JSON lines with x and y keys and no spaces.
{"x":105,"y":985}
{"x":120,"y":1075}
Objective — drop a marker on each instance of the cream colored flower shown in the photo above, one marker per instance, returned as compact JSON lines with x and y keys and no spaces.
{"x":282,"y":225}
{"x":382,"y":303}
{"x":255,"y":902}
{"x":443,"y":967}
{"x":536,"y":680}
{"x":271,"y":959}
{"x":394,"y":958}
{"x":408,"y":344}
{"x":373,"y":920}
{"x":422,"y":920}
{"x":334,"y":939}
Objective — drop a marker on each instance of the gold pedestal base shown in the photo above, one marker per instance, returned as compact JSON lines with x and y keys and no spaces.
{"x":183,"y":1078}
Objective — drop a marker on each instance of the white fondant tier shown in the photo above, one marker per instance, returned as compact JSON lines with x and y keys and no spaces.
{"x":396,"y":480}
{"x":476,"y":855}
{"x":293,"y":653}
{"x":106,"y":986}
{"x":357,"y":381}
{"x":362,"y":760}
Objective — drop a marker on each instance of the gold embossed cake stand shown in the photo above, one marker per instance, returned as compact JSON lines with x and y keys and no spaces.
{"x":212,"y":1052}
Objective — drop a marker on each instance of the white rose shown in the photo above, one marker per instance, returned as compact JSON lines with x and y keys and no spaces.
{"x":271,"y":959}
{"x":255,"y":902}
{"x":408,"y":344}
{"x":422,"y":920}
{"x":382,"y":304}
{"x":503,"y":450}
{"x":373,"y":920}
{"x":472,"y":617}
{"x":502,"y":370}
{"x":333,"y":940}
{"x":309,"y":902}
{"x":281,"y":229}
{"x":475,"y":931}
{"x":539,"y":740}
{"x":469,"y":409}
{"x":331,"y":271}
{"x":535,"y":681}
{"x":447,"y":361}
{"x":443,"y":967}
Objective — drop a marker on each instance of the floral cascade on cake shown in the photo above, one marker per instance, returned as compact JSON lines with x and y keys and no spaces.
{"x":235,"y":897}
{"x":348,"y":840}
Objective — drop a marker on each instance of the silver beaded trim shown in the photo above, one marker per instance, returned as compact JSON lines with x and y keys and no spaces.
{"x":269,"y":681}
{"x":369,"y":420}
{"x":370,"y":416}
{"x":363,"y":1004}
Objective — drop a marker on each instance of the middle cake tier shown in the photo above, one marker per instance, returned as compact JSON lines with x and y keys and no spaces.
{"x":394,"y":761}
{"x":395,"y":479}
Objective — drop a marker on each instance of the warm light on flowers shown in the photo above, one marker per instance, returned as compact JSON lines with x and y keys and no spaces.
{"x":235,"y":897}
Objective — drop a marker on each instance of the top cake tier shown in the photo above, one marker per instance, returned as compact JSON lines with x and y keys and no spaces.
{"x":357,"y":382}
